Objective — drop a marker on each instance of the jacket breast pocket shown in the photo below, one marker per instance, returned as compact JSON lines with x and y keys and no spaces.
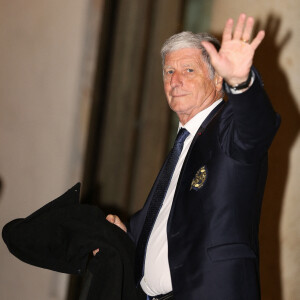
{"x":230,"y":251}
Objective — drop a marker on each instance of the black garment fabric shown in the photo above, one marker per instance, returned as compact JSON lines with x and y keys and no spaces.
{"x":61,"y":235}
{"x":213,"y":225}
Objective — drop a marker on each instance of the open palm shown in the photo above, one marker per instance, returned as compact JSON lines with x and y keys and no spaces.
{"x":235,"y":57}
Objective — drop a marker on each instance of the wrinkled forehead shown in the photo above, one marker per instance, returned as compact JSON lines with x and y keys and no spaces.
{"x":184,"y":56}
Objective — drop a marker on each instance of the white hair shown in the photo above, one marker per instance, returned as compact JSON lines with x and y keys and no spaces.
{"x":187,"y":39}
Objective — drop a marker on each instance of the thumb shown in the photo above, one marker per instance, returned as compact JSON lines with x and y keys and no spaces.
{"x":117,"y":221}
{"x":211,"y":50}
{"x":111,"y":218}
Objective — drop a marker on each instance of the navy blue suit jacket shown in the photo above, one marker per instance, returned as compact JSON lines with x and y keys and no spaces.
{"x":213,"y":224}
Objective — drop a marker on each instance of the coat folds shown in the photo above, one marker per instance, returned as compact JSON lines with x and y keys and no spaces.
{"x":61,"y":235}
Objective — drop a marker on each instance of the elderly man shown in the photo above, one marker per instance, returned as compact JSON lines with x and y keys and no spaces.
{"x":197,"y":234}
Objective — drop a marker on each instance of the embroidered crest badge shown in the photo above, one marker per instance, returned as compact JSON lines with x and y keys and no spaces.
{"x":199,"y":179}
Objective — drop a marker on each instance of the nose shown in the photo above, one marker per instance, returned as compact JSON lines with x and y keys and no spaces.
{"x":176,"y":80}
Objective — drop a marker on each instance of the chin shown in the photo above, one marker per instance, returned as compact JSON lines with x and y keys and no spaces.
{"x":177,"y":109}
{"x":181,"y":111}
{"x":178,"y":106}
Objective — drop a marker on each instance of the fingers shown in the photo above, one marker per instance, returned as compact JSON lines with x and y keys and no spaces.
{"x":116,"y":220}
{"x":111,"y":218}
{"x":248,"y":30}
{"x":243,"y":29}
{"x":211,"y":50}
{"x":258,"y":39}
{"x":227,"y":33}
{"x":95,"y":251}
{"x":238,"y":32}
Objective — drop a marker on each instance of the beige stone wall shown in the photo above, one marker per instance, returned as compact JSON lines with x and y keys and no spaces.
{"x":278,"y":61}
{"x":47,"y":56}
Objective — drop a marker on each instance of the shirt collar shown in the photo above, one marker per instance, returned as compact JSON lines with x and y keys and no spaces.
{"x":193,"y":125}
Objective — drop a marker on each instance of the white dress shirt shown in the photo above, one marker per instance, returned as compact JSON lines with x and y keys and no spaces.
{"x":157,"y":277}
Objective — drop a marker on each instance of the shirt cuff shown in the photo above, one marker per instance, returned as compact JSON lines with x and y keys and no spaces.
{"x":235,"y":92}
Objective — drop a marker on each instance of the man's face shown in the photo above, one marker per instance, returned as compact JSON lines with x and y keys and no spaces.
{"x":187,"y":83}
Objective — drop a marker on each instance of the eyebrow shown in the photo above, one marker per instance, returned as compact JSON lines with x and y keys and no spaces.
{"x":184,"y":65}
{"x":188,"y":65}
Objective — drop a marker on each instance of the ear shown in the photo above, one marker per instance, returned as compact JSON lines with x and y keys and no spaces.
{"x":218,"y":82}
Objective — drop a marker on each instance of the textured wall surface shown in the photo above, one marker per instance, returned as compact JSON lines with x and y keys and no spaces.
{"x":47,"y":59}
{"x":44,"y":107}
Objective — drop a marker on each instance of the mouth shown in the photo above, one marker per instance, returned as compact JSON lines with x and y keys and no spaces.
{"x":178,"y":95}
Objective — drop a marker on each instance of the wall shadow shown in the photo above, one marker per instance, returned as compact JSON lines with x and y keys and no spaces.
{"x":277,"y":86}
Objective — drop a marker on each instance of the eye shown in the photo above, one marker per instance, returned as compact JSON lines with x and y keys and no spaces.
{"x":169,"y":72}
{"x":190,"y":70}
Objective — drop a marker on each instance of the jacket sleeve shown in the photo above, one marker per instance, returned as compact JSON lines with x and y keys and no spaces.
{"x":249,"y":124}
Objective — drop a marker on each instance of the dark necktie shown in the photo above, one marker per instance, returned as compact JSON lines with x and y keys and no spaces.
{"x":157,"y":196}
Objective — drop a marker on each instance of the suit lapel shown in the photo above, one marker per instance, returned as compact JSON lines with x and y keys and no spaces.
{"x":213,"y":114}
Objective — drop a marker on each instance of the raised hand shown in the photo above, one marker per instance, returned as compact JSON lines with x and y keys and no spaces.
{"x":234,"y":59}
